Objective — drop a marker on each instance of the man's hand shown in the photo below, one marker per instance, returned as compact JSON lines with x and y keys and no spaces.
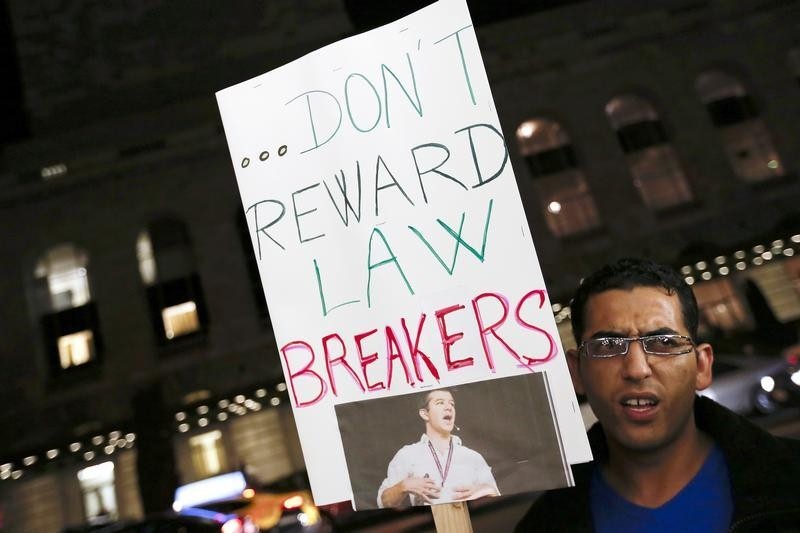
{"x":470,"y":492}
{"x":424,"y":487}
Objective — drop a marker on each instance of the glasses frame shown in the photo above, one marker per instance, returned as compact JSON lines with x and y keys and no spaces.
{"x":642,"y":340}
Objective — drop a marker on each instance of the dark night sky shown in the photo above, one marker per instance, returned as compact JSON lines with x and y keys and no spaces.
{"x":364,"y":14}
{"x":368,"y":14}
{"x":13,"y":125}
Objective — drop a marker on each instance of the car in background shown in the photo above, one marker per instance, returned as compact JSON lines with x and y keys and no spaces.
{"x":170,"y":523}
{"x":95,"y":525}
{"x":787,"y":383}
{"x":157,"y":523}
{"x":241,"y":507}
{"x":744,"y":383}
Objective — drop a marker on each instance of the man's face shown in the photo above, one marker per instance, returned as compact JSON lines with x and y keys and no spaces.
{"x":644,"y":402}
{"x":440,"y":414}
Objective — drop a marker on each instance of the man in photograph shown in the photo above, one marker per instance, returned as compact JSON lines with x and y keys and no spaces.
{"x":437,"y":468}
{"x":665,"y":459}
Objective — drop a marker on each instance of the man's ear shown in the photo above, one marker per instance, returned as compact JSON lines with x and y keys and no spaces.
{"x":423,"y":414}
{"x":705,"y":360}
{"x":574,"y":362}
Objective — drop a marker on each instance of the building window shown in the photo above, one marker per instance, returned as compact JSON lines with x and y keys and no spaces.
{"x":779,"y":282}
{"x":560,"y":185}
{"x":180,"y":319}
{"x":63,"y":270}
{"x":76,"y":348}
{"x":792,"y":267}
{"x":744,"y":136}
{"x":99,"y":495}
{"x":721,"y":306}
{"x":657,"y":173}
{"x":166,"y":266}
{"x":208,"y":454}
{"x":69,"y":317}
{"x":147,"y":260}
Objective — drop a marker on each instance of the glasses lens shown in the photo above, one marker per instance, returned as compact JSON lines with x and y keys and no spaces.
{"x":667,"y":344}
{"x":606,"y":347}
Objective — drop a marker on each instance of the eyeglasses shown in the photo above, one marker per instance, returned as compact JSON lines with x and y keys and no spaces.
{"x":605,"y":347}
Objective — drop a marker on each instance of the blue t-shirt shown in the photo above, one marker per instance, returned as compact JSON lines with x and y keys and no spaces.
{"x":704,"y":505}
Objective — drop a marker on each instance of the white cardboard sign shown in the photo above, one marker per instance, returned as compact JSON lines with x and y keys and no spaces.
{"x":390,"y":235}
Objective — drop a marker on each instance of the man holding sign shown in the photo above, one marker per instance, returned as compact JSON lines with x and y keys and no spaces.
{"x":438,"y":468}
{"x":665,"y":459}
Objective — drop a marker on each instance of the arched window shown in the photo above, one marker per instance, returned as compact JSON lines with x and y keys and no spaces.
{"x":69,"y":318}
{"x":560,"y":185}
{"x":744,"y":136}
{"x":166,"y":265}
{"x":656,"y":171}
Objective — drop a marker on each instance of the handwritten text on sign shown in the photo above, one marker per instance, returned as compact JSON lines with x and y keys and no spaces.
{"x":390,"y":235}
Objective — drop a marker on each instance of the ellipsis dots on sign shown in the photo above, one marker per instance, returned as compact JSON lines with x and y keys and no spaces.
{"x":263,"y":156}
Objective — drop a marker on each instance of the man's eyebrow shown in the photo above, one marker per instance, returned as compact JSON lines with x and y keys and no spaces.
{"x":661,"y":331}
{"x":604,"y":333}
{"x":616,"y":334}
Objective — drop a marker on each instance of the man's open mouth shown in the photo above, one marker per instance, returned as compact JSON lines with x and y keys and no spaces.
{"x":639,"y":402}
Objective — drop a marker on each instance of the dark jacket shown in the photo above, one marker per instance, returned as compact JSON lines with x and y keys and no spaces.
{"x":764,"y":471}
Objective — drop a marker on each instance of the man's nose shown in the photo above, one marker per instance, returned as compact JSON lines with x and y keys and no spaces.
{"x":635,"y":363}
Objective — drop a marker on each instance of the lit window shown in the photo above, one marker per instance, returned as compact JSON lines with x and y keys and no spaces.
{"x":76,"y":348}
{"x":166,"y":266}
{"x":656,"y":171}
{"x":560,"y":185}
{"x":180,"y":319}
{"x":720,"y":305}
{"x":208,"y":454}
{"x":68,"y":316}
{"x":780,"y":282}
{"x":99,"y":496}
{"x":64,"y":271}
{"x":147,"y":261}
{"x":744,"y":136}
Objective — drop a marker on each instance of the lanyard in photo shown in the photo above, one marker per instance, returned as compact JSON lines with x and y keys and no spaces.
{"x":442,"y":473}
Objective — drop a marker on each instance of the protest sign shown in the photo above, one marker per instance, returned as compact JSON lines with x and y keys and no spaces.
{"x":389,"y":231}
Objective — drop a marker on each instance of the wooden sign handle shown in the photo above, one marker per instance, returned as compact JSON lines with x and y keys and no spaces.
{"x":451,"y":517}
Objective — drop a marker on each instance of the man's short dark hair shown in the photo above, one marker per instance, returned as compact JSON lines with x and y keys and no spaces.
{"x":629,"y":273}
{"x":424,"y":397}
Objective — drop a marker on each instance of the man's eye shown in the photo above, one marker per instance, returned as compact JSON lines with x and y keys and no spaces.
{"x":665,"y":341}
{"x":612,"y":342}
